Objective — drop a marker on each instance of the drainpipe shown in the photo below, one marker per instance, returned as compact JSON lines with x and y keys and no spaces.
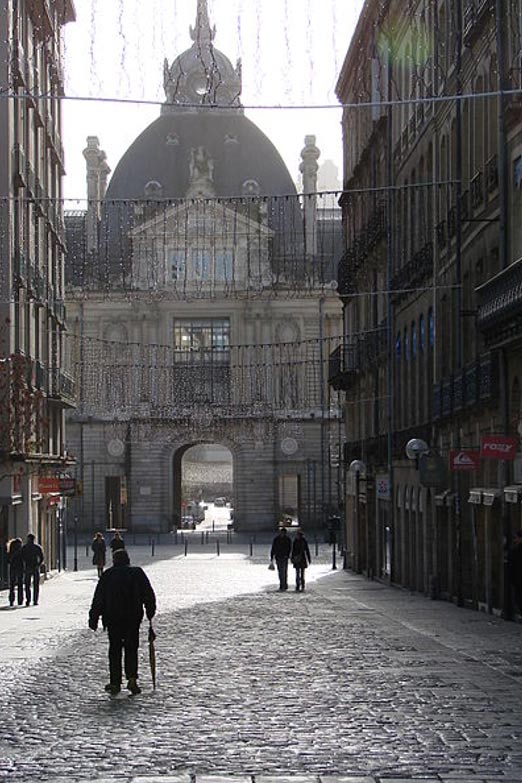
{"x":458,"y":293}
{"x":507,"y":606}
{"x":389,"y":304}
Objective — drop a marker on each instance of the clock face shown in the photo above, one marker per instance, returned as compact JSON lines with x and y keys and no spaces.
{"x":200,"y":85}
{"x":289,"y":446}
{"x":115,"y":447}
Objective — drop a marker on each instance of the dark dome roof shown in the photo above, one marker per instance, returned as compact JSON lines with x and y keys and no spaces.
{"x":240,"y":152}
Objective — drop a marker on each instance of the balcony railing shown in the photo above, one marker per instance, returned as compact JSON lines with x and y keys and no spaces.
{"x":500,"y":306}
{"x":478,"y":382}
{"x":415,"y":271}
{"x":477,"y":190}
{"x":62,"y":387}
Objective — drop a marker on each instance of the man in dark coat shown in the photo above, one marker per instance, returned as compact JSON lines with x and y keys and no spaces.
{"x":119,"y":598}
{"x":280,"y":552}
{"x":515,"y":568}
{"x":33,"y":557}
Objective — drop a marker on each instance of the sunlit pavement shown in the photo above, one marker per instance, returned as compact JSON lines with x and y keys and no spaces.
{"x":349,"y":681}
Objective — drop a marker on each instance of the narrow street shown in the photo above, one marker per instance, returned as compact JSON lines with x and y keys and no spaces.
{"x":350,"y":679}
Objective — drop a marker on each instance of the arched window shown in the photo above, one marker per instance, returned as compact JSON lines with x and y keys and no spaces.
{"x":421,"y":334}
{"x":413,"y":340}
{"x":406,"y":346}
{"x":431,"y":329}
{"x":398,"y":347}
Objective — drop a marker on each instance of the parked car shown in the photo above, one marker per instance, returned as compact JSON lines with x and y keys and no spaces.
{"x":220,"y":502}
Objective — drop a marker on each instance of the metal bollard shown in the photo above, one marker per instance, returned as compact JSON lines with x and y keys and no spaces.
{"x":334,"y":563}
{"x":87,"y":549}
{"x":202,"y":537}
{"x":213,"y":525}
{"x":251,"y":548}
{"x":207,"y":536}
{"x":316,"y":542}
{"x":153,"y":544}
{"x":186,"y":547}
{"x":217,"y":546}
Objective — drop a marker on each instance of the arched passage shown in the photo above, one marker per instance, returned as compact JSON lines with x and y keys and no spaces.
{"x":202,"y":476}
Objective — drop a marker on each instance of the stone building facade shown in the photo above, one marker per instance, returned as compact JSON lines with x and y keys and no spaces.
{"x":431,"y":210}
{"x":35,"y":388}
{"x":202,"y":308}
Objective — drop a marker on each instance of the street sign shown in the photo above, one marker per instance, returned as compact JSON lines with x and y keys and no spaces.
{"x":498,"y":447}
{"x":464,"y":459}
{"x":382,"y":485}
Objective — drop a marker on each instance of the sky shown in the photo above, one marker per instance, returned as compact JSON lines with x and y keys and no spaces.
{"x":291,"y":51}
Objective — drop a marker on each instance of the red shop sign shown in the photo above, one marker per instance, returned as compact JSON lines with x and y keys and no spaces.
{"x":464,"y":459}
{"x":48,"y":485}
{"x":498,"y":447}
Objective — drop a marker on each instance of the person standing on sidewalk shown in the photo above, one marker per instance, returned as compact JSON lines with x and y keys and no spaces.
{"x":99,"y":549}
{"x":280,"y":552}
{"x":515,"y":568}
{"x":16,"y":571}
{"x":119,"y":598}
{"x":33,"y":557}
{"x":300,"y":559}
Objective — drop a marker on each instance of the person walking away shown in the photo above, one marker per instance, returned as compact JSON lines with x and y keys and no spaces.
{"x":117,"y":542}
{"x":280,"y":552}
{"x":515,"y":568}
{"x":33,"y":557}
{"x":16,"y":571}
{"x":99,"y":549}
{"x":300,"y":559}
{"x":120,"y":596}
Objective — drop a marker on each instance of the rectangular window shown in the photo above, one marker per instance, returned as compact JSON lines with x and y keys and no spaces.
{"x":177,"y":265}
{"x":202,"y":359}
{"x":224,"y":260}
{"x":201,"y":264}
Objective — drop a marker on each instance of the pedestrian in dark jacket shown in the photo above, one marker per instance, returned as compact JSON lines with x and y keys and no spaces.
{"x":16,"y":571}
{"x":33,"y":557}
{"x":280,"y":552}
{"x":119,"y":598}
{"x":515,"y":568}
{"x":117,"y":542}
{"x":300,"y":559}
{"x":99,"y":549}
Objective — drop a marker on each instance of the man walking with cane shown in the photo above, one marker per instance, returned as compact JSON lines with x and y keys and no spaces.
{"x":120,"y":596}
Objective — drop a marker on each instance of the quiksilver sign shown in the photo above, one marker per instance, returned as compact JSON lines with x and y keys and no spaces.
{"x":464,"y":459}
{"x":498,"y":447}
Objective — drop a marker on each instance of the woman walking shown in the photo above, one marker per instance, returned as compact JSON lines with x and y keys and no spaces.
{"x":300,"y":559}
{"x":99,"y":548}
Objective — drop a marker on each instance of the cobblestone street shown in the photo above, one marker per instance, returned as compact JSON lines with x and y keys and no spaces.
{"x":350,"y":679}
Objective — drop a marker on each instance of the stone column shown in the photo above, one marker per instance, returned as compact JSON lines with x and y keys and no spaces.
{"x":309,"y":168}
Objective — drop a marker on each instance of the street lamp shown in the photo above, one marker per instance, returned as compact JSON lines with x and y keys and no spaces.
{"x":357,"y":468}
{"x":415,"y":449}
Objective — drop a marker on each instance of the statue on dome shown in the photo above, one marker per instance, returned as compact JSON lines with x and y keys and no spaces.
{"x":201,"y":169}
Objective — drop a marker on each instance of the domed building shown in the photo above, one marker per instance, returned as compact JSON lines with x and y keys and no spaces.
{"x":200,"y":309}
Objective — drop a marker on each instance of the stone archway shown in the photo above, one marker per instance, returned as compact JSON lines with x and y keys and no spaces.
{"x":204,"y":477}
